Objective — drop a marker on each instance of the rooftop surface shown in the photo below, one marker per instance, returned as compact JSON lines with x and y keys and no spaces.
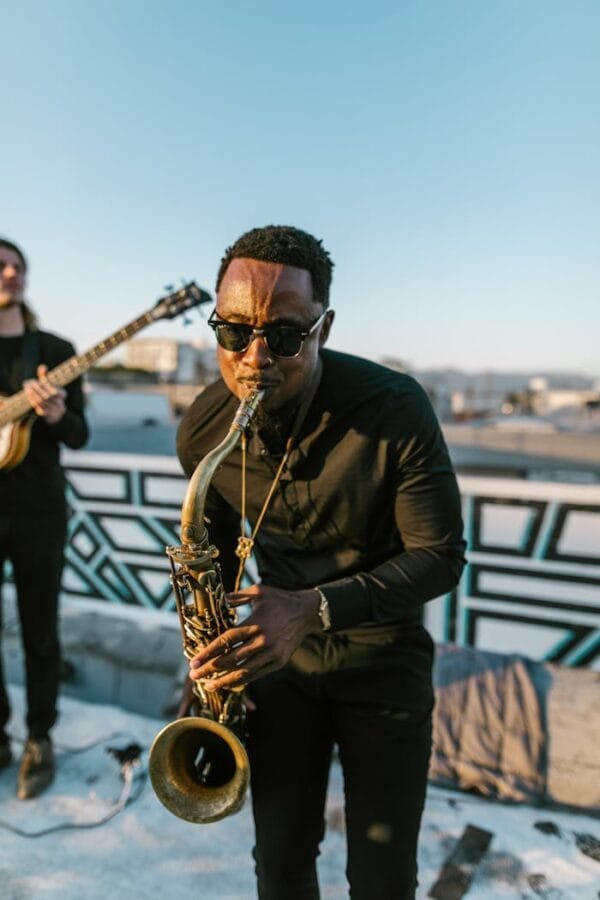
{"x":141,"y":851}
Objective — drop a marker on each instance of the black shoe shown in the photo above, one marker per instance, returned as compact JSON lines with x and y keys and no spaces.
{"x":37,"y":768}
{"x":5,"y":755}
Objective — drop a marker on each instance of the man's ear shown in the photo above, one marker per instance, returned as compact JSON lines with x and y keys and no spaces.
{"x":326,"y":327}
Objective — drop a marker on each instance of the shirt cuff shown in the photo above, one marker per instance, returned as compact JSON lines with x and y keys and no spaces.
{"x":349,"y":603}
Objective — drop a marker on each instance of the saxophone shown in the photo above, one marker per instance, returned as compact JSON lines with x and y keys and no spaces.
{"x":198,"y":765}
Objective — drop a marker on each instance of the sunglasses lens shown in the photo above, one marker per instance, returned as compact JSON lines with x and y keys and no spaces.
{"x":284,"y":341}
{"x":233,"y":337}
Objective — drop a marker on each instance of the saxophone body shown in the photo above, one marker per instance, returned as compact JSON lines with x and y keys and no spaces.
{"x":198,"y":765}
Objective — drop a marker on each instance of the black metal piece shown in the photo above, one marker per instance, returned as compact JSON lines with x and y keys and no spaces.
{"x":457,"y":871}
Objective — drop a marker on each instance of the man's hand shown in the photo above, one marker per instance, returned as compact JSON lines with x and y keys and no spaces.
{"x":47,"y":400}
{"x":277,"y":625}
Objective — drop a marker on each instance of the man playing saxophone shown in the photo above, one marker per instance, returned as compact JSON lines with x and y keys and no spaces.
{"x":345,"y":495}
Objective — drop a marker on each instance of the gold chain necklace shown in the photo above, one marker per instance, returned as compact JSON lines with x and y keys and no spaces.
{"x":245,"y":543}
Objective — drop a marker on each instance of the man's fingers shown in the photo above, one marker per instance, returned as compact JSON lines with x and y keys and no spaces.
{"x":233,"y":667}
{"x":41,"y":391}
{"x":46,"y":401}
{"x":257,"y":666}
{"x":224,"y":644}
{"x":241,"y":598}
{"x":238,"y":599}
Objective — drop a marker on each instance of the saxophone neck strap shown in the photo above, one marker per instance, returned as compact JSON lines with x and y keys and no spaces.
{"x":245,"y":544}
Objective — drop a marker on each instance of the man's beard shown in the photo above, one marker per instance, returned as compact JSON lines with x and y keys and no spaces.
{"x":275,"y":426}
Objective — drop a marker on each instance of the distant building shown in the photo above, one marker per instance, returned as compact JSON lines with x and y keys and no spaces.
{"x":474,"y":403}
{"x":552,"y":400}
{"x":538,"y":383}
{"x":180,"y":362}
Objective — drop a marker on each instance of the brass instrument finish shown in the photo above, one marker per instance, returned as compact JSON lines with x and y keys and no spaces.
{"x":198,"y":765}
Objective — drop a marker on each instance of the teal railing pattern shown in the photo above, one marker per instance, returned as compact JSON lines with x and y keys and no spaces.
{"x":123,"y":511}
{"x":531,"y":584}
{"x":532,"y":580}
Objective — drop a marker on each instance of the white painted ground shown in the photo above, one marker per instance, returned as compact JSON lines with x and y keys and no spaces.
{"x":145,"y":852}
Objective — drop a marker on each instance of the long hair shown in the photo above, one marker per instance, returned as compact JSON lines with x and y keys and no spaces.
{"x":30,"y":319}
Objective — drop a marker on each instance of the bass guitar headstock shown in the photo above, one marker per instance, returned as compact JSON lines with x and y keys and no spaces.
{"x":179,"y":301}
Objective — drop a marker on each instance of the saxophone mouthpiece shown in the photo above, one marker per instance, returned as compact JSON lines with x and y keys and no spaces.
{"x":246,"y":409}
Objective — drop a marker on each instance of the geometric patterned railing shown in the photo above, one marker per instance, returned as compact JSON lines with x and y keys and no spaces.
{"x":124,"y":510}
{"x":531,"y":585}
{"x":532,"y":580}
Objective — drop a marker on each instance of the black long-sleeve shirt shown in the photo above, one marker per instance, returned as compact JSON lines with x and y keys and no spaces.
{"x":36,"y":485}
{"x":367,"y":508}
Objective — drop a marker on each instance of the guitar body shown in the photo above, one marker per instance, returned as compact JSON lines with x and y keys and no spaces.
{"x":14,"y":441}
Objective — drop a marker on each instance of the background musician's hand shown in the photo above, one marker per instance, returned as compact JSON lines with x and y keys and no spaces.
{"x":187,"y":698}
{"x":277,"y":625}
{"x":47,"y":401}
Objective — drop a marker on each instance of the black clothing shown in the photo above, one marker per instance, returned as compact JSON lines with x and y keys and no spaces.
{"x":368,"y":507}
{"x":37,"y":484}
{"x":33,"y":520}
{"x":367,"y":510}
{"x":36,"y":551}
{"x":384,"y":753}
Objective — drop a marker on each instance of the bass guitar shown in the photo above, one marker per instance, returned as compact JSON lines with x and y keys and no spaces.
{"x":16,"y":414}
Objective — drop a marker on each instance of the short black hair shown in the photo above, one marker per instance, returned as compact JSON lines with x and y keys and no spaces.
{"x":10,"y":246}
{"x":288,"y":246}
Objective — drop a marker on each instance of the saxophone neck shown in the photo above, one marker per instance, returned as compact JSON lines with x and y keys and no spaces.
{"x":193,"y":530}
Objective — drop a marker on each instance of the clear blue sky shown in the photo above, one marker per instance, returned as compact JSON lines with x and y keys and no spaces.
{"x":448,"y":154}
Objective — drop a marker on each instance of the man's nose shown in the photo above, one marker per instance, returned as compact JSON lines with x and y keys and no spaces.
{"x":257,"y":354}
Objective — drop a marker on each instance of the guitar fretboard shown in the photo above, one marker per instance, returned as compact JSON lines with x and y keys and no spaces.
{"x":18,"y":405}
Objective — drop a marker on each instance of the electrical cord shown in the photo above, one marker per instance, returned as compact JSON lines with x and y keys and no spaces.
{"x":130,"y":765}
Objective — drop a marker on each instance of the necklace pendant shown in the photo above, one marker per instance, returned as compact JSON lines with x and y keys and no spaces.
{"x":244,"y":547}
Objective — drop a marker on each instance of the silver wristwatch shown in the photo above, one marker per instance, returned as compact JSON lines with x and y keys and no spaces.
{"x":324,"y":613}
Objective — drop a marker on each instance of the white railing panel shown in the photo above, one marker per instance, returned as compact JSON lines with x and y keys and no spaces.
{"x":531,"y":584}
{"x":532,"y":580}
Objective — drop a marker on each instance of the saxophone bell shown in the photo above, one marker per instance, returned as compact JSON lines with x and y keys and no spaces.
{"x":199,"y":770}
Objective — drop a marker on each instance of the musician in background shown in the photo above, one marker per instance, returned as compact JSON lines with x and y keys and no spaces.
{"x":362,"y":527}
{"x":33,"y":513}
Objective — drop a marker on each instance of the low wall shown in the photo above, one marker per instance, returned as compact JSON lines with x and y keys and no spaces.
{"x":132,"y":658}
{"x":561,"y":445}
{"x":511,"y":728}
{"x":119,"y":655}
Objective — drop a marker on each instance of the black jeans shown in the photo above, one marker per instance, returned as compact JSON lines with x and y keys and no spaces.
{"x":35,"y":547}
{"x":384,"y":754}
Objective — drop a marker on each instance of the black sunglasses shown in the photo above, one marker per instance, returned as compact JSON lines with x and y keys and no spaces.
{"x":282,"y":340}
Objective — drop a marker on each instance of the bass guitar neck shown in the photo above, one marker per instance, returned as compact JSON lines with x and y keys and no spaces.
{"x":16,"y":414}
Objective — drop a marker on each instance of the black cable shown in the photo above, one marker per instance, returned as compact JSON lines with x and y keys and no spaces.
{"x":66,"y":749}
{"x":129,"y":760}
